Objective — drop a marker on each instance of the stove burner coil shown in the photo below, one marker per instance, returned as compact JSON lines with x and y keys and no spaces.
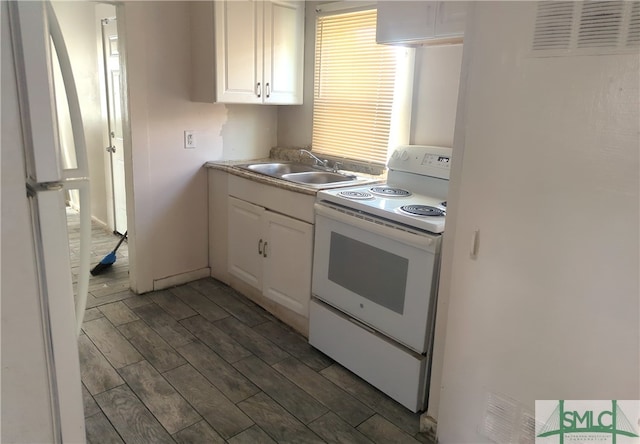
{"x":356,"y":195}
{"x":390,"y":192}
{"x":422,"y":210}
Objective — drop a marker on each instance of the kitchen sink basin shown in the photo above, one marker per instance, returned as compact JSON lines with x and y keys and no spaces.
{"x":318,"y":177}
{"x":276,"y":169}
{"x":304,"y":174}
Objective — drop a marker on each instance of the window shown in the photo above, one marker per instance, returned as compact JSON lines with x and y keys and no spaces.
{"x":361,"y":89}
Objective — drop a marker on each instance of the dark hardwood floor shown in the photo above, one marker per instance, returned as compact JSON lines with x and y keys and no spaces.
{"x":200,"y":363}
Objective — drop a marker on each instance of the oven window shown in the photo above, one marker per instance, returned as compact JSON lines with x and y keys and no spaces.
{"x":368,"y":271}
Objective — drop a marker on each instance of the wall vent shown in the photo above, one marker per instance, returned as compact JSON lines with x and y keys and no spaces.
{"x":553,"y":26}
{"x":600,"y":24}
{"x":633,"y":31}
{"x":587,"y":27}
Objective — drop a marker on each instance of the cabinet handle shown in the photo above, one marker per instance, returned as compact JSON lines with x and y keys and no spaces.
{"x":260,"y":247}
{"x":259,"y":90}
{"x":267,"y":90}
{"x":264,"y":254}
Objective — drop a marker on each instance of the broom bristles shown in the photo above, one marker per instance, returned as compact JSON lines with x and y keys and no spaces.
{"x":100,"y":268}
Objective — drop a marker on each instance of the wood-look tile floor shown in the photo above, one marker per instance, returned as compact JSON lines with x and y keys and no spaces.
{"x":200,"y":363}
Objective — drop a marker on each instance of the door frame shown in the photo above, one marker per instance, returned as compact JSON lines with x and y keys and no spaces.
{"x":112,"y":217}
{"x":120,"y":15}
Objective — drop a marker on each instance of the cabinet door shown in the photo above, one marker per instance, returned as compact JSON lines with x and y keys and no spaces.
{"x":283,"y":51}
{"x":288,"y":257}
{"x":405,"y":21}
{"x":238,"y":36}
{"x":450,"y":18}
{"x":246,"y":244}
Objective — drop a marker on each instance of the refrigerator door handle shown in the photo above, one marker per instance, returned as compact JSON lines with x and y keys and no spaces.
{"x":84,"y":190}
{"x":77,"y":128}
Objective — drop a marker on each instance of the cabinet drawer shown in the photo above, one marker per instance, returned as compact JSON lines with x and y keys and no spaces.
{"x":297,"y":205}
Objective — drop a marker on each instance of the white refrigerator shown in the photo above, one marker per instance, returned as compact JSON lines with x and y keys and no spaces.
{"x":41,"y":391}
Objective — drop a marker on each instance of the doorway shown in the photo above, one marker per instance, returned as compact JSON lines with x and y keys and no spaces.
{"x":112,"y":81}
{"x":104,"y":123}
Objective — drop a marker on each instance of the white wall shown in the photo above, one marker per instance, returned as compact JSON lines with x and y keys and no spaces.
{"x":547,"y":168}
{"x":79,"y":27}
{"x":168,"y":192}
{"x":435,"y":95}
{"x":436,"y":81}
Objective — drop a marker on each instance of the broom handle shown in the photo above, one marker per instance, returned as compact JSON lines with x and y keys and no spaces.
{"x":124,"y":236}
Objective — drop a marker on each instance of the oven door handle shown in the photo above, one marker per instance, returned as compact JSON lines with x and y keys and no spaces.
{"x":382,"y":228}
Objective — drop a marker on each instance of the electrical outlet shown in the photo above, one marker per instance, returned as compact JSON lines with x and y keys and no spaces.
{"x":189,"y":139}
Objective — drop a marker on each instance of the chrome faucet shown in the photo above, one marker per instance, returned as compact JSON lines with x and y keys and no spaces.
{"x":319,"y":162}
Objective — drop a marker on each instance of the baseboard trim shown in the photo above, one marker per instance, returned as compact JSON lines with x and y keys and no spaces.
{"x":295,"y":320}
{"x":429,"y":426}
{"x":182,"y":278}
{"x":100,"y":222}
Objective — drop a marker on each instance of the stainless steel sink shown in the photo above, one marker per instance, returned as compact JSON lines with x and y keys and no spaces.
{"x":318,"y":177}
{"x":304,"y":174}
{"x":308,"y":175}
{"x":276,"y":169}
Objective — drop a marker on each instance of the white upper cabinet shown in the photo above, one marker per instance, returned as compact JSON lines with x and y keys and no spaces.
{"x":283,"y":52}
{"x":420,"y":22}
{"x":239,"y":42}
{"x":450,"y":18}
{"x":258,"y":54}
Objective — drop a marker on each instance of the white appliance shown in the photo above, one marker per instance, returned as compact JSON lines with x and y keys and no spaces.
{"x":41,"y":388}
{"x":375,"y":273}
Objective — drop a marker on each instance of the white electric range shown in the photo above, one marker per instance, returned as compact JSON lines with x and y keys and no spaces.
{"x":415,"y":192}
{"x":375,"y":273}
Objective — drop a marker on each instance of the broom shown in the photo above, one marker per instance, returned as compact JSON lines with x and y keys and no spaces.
{"x":109,"y":259}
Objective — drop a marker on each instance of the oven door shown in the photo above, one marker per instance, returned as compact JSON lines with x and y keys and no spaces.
{"x":378,"y":272}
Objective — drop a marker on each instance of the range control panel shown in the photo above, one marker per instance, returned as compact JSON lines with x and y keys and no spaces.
{"x":425,"y":160}
{"x":436,"y":160}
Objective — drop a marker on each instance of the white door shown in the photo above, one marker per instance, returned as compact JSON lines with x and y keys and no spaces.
{"x":404,"y":21}
{"x":288,"y":254}
{"x":238,"y":30}
{"x":283,"y":51}
{"x":450,"y":18}
{"x":246,"y":243}
{"x":114,"y":109}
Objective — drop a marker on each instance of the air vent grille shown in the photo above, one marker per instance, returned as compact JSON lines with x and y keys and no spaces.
{"x":587,"y":27}
{"x":633,"y":33}
{"x":600,"y":24}
{"x":553,"y":26}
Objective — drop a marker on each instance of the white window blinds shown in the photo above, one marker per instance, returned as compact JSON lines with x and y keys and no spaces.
{"x":353,"y":88}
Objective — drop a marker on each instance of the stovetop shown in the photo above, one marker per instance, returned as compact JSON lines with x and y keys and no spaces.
{"x":418,"y":177}
{"x":389,"y":207}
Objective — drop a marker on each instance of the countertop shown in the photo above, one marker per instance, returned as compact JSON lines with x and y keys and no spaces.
{"x":231,"y":167}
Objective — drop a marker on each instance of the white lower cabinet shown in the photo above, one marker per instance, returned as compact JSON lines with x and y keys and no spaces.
{"x":271,"y":252}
